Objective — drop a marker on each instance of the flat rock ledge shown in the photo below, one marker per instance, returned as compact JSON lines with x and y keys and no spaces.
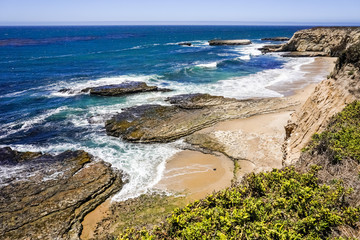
{"x":47,"y":196}
{"x":123,"y":89}
{"x":276,"y":39}
{"x":229,"y":42}
{"x":187,"y":114}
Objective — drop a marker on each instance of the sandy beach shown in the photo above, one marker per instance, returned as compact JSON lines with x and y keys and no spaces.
{"x":252,"y":144}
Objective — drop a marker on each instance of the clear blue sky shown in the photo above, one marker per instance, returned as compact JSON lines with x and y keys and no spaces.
{"x":46,"y":11}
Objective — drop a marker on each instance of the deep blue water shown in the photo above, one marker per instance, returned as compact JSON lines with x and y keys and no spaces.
{"x":36,"y":62}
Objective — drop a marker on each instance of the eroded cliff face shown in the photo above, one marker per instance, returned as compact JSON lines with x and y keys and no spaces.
{"x":330,"y":96}
{"x":329,"y":40}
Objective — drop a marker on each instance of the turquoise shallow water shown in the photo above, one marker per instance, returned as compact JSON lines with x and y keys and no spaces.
{"x":36,"y":62}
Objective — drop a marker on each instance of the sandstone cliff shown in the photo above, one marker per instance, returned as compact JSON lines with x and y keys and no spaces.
{"x":330,"y":40}
{"x":332,"y":94}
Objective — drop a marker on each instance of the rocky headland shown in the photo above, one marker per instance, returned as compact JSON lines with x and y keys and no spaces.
{"x":47,"y":196}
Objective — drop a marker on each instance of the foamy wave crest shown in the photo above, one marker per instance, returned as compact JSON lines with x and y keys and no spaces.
{"x":207,"y":65}
{"x":254,"y":85}
{"x":249,"y":51}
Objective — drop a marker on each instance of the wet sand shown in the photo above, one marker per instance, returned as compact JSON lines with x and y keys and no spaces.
{"x":197,"y":174}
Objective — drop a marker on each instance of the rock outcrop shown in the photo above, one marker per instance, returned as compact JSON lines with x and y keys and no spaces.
{"x":229,"y":42}
{"x":185,"y":44}
{"x":189,"y":113}
{"x":330,"y":40}
{"x":330,"y":96}
{"x":46,"y":197}
{"x":123,"y":89}
{"x":276,"y":39}
{"x":270,"y":48}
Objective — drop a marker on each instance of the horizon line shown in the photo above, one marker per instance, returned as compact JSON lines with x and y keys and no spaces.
{"x":184,"y":23}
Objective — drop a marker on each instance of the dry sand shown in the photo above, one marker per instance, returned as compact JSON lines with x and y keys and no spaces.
{"x":91,"y":219}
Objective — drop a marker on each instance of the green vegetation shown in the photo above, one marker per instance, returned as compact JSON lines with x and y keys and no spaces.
{"x":341,"y":138}
{"x":282,"y":204}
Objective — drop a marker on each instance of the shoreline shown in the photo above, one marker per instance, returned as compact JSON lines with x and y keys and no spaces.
{"x":266,"y":129}
{"x":191,"y":172}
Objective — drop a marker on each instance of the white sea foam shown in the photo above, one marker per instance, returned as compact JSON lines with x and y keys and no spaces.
{"x":144,"y":164}
{"x":254,"y":85}
{"x":207,"y":65}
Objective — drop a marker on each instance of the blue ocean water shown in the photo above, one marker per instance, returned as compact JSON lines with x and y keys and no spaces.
{"x":37,"y":62}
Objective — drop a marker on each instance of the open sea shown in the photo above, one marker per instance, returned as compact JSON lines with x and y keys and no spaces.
{"x":37,"y":62}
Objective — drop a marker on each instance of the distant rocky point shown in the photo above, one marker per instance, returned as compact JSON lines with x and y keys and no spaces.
{"x":320,"y":41}
{"x":216,"y":42}
{"x":276,"y":39}
{"x":48,"y":196}
{"x":123,"y":89}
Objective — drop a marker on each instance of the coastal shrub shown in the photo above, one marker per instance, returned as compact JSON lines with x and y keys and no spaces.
{"x":281,"y":204}
{"x":341,"y":138}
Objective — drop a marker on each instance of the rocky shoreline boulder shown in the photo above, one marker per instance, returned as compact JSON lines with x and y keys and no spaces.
{"x":187,"y":114}
{"x":46,"y":197}
{"x":123,"y":89}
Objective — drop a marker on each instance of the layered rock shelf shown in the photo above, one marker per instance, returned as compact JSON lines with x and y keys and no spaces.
{"x":187,"y":114}
{"x":229,"y":42}
{"x":48,"y":196}
{"x":123,"y":89}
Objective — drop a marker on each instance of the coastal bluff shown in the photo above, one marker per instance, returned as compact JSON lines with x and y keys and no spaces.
{"x":332,"y":94}
{"x":318,"y":41}
{"x":47,"y":196}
